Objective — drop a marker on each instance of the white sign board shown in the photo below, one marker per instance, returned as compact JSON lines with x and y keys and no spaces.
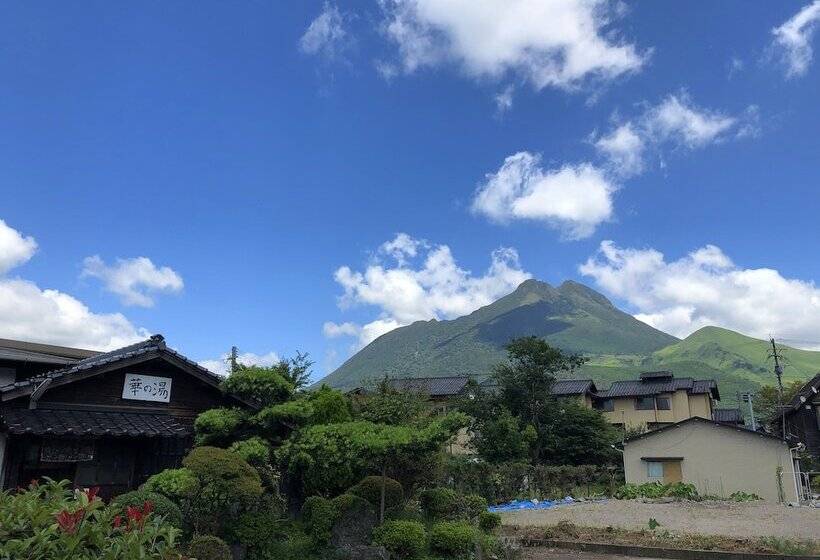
{"x":146,"y":388}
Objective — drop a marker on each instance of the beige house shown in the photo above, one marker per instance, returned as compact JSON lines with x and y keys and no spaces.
{"x":717,"y":458}
{"x":657,"y":399}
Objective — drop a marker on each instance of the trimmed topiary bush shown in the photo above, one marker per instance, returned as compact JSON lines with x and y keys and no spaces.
{"x":370,"y":488}
{"x":440,"y":503}
{"x":453,"y":538}
{"x":318,"y":515}
{"x":208,"y":547}
{"x":473,"y":505}
{"x":217,"y":425}
{"x":255,"y":451}
{"x":162,"y":505}
{"x":488,"y":521}
{"x":176,"y":484}
{"x":405,"y":539}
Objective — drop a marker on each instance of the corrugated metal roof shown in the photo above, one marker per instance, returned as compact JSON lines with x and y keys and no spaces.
{"x":49,"y":350}
{"x":45,"y":422}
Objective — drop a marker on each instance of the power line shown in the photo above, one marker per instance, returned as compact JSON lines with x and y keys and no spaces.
{"x":778,"y":371}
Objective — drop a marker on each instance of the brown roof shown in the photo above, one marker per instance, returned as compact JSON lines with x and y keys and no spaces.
{"x":45,"y":422}
{"x":22,"y":351}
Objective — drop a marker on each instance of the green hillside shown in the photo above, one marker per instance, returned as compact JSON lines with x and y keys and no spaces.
{"x":578,"y":319}
{"x":571,"y":316}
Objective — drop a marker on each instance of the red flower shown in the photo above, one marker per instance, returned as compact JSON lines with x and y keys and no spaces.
{"x":147,"y":508}
{"x":69,"y":522}
{"x":91,"y":493}
{"x":117,"y":520}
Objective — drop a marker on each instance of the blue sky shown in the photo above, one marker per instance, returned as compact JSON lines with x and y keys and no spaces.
{"x":229,"y":173}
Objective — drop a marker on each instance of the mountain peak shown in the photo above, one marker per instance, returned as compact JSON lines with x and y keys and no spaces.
{"x":570,"y":287}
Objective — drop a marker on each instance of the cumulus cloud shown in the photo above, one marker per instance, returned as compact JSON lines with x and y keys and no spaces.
{"x":792,"y":40}
{"x":326,"y":35}
{"x":14,"y":248}
{"x":50,"y":316}
{"x":429,"y":285}
{"x":574,"y":198}
{"x":135,"y":280}
{"x":676,"y":122}
{"x":706,"y":288}
{"x":221,"y":365}
{"x":552,"y":43}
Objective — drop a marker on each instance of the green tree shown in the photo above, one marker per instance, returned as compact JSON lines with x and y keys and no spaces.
{"x":264,"y":385}
{"x":386,"y":405}
{"x":523,"y":419}
{"x":326,"y":459}
{"x":767,"y":398}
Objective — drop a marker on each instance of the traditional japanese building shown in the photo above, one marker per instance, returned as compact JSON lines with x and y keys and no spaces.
{"x":99,"y":419}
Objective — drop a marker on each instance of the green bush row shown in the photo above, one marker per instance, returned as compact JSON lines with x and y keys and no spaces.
{"x":508,"y":481}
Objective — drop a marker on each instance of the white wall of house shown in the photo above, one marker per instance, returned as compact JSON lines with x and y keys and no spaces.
{"x":718,"y":460}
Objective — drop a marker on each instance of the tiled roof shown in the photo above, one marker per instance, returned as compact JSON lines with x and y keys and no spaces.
{"x":572,"y":386}
{"x":656,"y":374}
{"x":691,"y":419}
{"x":433,"y":386}
{"x":44,"y":422}
{"x":728,"y":415}
{"x":37,"y":352}
{"x":154,"y":344}
{"x":639,"y":388}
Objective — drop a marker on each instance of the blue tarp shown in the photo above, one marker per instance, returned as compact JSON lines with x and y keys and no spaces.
{"x":530,"y":504}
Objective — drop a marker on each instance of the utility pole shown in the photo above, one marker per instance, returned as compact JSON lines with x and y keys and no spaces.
{"x":778,"y":371}
{"x":234,"y":354}
{"x":747,"y":398}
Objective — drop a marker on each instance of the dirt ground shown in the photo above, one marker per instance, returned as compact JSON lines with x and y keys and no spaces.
{"x":750,"y":519}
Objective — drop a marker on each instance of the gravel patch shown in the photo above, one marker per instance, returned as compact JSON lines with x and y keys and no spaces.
{"x":732,"y":519}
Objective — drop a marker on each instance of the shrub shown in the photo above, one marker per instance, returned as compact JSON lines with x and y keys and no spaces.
{"x":49,"y":521}
{"x":264,"y":385}
{"x":208,"y":547}
{"x":217,"y":425}
{"x":488,"y":521}
{"x":473,"y":505}
{"x":370,"y":488}
{"x":176,"y":484}
{"x":228,"y":486}
{"x":653,"y":490}
{"x":453,"y":538}
{"x":255,"y":451}
{"x":405,"y":539}
{"x":318,"y":515}
{"x":440,"y":503}
{"x":347,"y":502}
{"x":162,"y":506}
{"x":741,"y":496}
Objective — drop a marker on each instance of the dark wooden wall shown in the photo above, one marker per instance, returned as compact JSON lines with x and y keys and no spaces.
{"x":189,"y":395}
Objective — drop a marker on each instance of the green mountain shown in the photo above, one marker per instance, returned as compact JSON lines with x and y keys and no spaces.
{"x":578,"y":319}
{"x":571,"y":316}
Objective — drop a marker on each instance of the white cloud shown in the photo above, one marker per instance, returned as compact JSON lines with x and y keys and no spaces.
{"x":221,"y":366}
{"x":706,"y":288}
{"x":134,"y":280}
{"x":555,"y":43}
{"x":14,"y":248}
{"x":435,"y":288}
{"x":792,"y":40}
{"x":504,"y":100}
{"x":326,"y":35}
{"x":675,"y":122}
{"x":624,"y":148}
{"x":50,"y":316}
{"x":572,"y":198}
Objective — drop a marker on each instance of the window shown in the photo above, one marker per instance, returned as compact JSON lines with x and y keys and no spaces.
{"x":645,"y":403}
{"x":606,"y":405}
{"x":663,"y":403}
{"x":654,"y":469}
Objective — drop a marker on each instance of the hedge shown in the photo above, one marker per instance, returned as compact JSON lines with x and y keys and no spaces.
{"x":508,"y":481}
